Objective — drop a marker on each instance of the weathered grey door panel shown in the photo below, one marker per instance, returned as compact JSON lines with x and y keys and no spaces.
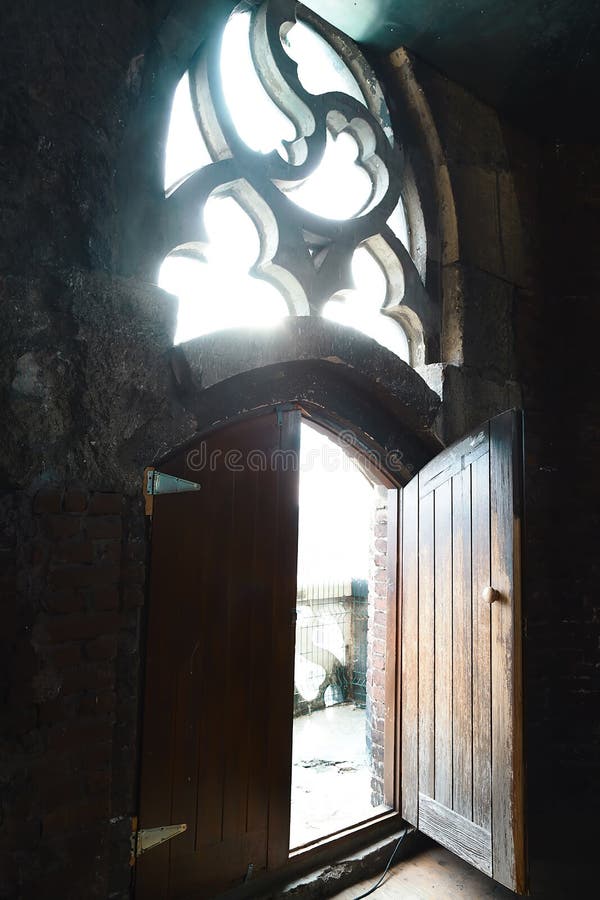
{"x":461,"y":674}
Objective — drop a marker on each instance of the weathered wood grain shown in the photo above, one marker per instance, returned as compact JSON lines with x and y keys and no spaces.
{"x":426,"y":646}
{"x":507,"y":759}
{"x":462,"y":836}
{"x":482,"y":758}
{"x":443,"y":644}
{"x":410,"y":652}
{"x":462,"y":673}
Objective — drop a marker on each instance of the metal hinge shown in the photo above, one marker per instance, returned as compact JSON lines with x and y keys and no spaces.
{"x":145,"y":839}
{"x":156,"y":482}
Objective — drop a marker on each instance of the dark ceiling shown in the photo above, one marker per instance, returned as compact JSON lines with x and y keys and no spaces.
{"x":537,"y":60}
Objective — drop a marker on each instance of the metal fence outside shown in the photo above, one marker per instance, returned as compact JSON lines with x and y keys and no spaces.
{"x":331,"y":645}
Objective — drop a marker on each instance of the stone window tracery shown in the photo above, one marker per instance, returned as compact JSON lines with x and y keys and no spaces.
{"x":284,"y":185}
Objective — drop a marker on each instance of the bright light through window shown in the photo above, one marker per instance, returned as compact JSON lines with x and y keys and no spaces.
{"x":360,"y":309}
{"x":335,"y":506}
{"x":218,"y":291}
{"x":257,"y":119}
{"x":384,"y":330}
{"x":186,"y":150}
{"x":338,"y":188}
{"x":320,"y":69}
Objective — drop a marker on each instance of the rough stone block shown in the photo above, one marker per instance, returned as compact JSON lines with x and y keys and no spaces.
{"x":81,"y":576}
{"x":477,"y":206}
{"x":516,"y":228}
{"x":104,"y":647}
{"x":103,"y":528}
{"x":73,"y":552}
{"x":97,"y":703}
{"x":106,"y":598}
{"x":105,"y":504}
{"x":489,"y":311}
{"x":60,"y":526}
{"x":133,"y":598}
{"x":47,"y":501}
{"x":75,"y":501}
{"x":96,"y":676}
{"x":108,"y":552}
{"x":470,"y":131}
{"x":68,"y":600}
{"x":77,"y":627}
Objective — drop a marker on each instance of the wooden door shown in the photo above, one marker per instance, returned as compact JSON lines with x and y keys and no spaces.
{"x":461,"y":690}
{"x":216,"y":750}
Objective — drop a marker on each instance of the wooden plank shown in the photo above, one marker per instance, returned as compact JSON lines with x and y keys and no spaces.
{"x":481,"y":576}
{"x":188,"y":659}
{"x":391,"y":655}
{"x":212,"y":712}
{"x":260,"y":639}
{"x":283,"y":615}
{"x":462,"y":700}
{"x":508,"y":839}
{"x":443,"y":644}
{"x":410,"y":652}
{"x":239,"y":575}
{"x":453,"y":460}
{"x":456,"y":833}
{"x":426,"y":647}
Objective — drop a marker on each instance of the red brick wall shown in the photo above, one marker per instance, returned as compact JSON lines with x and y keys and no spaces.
{"x":376,"y":644}
{"x":73,"y":574}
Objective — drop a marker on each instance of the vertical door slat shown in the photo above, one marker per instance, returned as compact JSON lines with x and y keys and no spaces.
{"x":462,"y":800}
{"x":283,"y":615}
{"x":443,"y":644}
{"x":410,"y":655}
{"x":481,"y":644}
{"x":239,"y":655}
{"x":210,"y":655}
{"x":507,"y":761}
{"x":192,"y":545}
{"x":426,"y":646}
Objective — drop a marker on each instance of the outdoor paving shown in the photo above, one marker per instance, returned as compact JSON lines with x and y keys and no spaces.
{"x":331,"y":782}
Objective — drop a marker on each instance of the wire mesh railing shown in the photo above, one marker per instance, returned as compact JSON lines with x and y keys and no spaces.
{"x":331,"y":645}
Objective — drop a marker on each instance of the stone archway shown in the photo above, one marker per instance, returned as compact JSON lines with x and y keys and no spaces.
{"x":342,"y":376}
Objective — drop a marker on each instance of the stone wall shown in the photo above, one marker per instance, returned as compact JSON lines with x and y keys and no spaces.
{"x":90,"y":393}
{"x":560,"y":371}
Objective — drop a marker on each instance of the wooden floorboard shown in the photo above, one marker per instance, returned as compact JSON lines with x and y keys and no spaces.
{"x":432,"y":873}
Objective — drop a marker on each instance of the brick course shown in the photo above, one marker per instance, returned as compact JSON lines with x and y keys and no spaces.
{"x":71,"y":612}
{"x":376,"y":645}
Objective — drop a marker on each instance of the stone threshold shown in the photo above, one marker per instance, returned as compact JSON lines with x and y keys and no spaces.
{"x":328,"y":880}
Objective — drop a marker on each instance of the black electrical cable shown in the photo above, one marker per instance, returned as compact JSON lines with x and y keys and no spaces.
{"x":387,"y":868}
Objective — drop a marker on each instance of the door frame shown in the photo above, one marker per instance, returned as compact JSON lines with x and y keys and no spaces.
{"x":391,"y":820}
{"x":362,"y":833}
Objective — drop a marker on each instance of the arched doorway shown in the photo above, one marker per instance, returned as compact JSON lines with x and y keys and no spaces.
{"x":220,"y":663}
{"x":219,"y":694}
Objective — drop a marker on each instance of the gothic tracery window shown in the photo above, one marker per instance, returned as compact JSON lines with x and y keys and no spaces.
{"x":284,"y":185}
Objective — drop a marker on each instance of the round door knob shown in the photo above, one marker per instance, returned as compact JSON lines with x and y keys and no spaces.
{"x":490,"y":594}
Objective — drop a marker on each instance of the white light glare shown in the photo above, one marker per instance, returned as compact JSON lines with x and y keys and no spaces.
{"x":219,"y":293}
